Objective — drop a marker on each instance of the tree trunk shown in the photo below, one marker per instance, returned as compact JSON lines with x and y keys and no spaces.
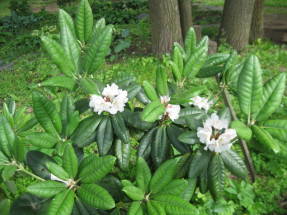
{"x":256,"y":31}
{"x":165,"y":25}
{"x":237,"y":17}
{"x":185,"y":16}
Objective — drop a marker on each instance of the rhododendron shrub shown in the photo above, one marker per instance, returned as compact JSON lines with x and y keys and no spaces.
{"x":126,"y":147}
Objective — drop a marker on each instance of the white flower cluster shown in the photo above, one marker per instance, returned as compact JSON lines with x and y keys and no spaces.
{"x":201,"y":102}
{"x":215,"y":134}
{"x":171,"y":111}
{"x":112,"y":100}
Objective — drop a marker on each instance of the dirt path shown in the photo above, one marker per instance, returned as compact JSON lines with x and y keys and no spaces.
{"x":52,"y":8}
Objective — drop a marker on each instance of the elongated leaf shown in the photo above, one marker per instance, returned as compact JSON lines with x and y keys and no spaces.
{"x":175,"y":205}
{"x":85,"y":132}
{"x":154,"y":208}
{"x":250,"y":87}
{"x":160,"y":147}
{"x":134,"y":120}
{"x":188,"y":137}
{"x":58,"y":56}
{"x":273,"y":92}
{"x":199,"y":163}
{"x":99,"y":26}
{"x":66,"y":19}
{"x":8,"y":172}
{"x":96,"y":168}
{"x":62,"y":203}
{"x":143,"y":174}
{"x":242,"y":130}
{"x":176,"y":187}
{"x":150,"y":91}
{"x":46,"y":189}
{"x":120,"y":128}
{"x":90,"y":86}
{"x":163,"y":176}
{"x":46,"y":114}
{"x":265,"y":138}
{"x":203,"y":182}
{"x":84,"y":21}
{"x":59,"y":81}
{"x":135,"y":208}
{"x":5,"y":205}
{"x":234,"y":163}
{"x":98,"y":51}
{"x":3,"y":159}
{"x":277,"y":128}
{"x":189,"y":191}
{"x":134,"y":193}
{"x":161,"y":82}
{"x":105,"y":136}
{"x":153,"y":111}
{"x":57,"y":170}
{"x":173,"y":133}
{"x":70,"y":161}
{"x":144,"y":148}
{"x":41,"y":139}
{"x":177,"y":64}
{"x":190,"y":42}
{"x":123,"y":153}
{"x":7,"y":136}
{"x":95,"y":196}
{"x":216,"y":176}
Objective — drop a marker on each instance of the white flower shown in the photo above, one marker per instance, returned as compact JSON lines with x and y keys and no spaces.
{"x":171,"y":111}
{"x":201,"y":102}
{"x":215,"y":134}
{"x":112,"y":100}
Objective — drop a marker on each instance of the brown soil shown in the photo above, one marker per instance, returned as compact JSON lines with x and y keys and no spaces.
{"x":53,"y":8}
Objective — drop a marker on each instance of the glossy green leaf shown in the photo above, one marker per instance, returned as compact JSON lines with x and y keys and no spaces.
{"x":59,"y":81}
{"x":234,"y":163}
{"x":62,"y":203}
{"x":96,"y":196}
{"x":143,"y":174}
{"x":41,"y":139}
{"x":160,"y":147}
{"x":161,"y":82}
{"x":188,"y":137}
{"x":150,"y":91}
{"x":173,"y":134}
{"x":8,"y":172}
{"x":154,"y":208}
{"x":46,"y":189}
{"x":5,"y":205}
{"x":273,"y":92}
{"x":46,"y":114}
{"x":105,"y":136}
{"x":199,"y":163}
{"x":57,"y":170}
{"x":7,"y":136}
{"x":90,"y":86}
{"x":243,"y":131}
{"x":277,"y":128}
{"x":144,"y":148}
{"x":120,"y":128}
{"x":134,"y":120}
{"x":176,"y":187}
{"x":153,"y":111}
{"x":123,"y":153}
{"x":134,"y":193}
{"x":135,"y":208}
{"x":250,"y":86}
{"x":84,"y":21}
{"x":190,"y":42}
{"x":70,"y":161}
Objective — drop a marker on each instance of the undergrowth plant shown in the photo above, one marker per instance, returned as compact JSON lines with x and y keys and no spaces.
{"x":125,"y":147}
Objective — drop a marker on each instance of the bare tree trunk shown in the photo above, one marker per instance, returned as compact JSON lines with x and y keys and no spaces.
{"x":237,"y":17}
{"x":185,"y":15}
{"x":256,"y":31}
{"x":165,"y":25}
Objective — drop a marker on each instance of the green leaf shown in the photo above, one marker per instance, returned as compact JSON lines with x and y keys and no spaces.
{"x":59,"y":81}
{"x":46,"y":114}
{"x":99,"y":26}
{"x":69,"y":116}
{"x":8,"y":172}
{"x":123,"y":153}
{"x":153,"y":111}
{"x":134,"y":193}
{"x":62,"y":203}
{"x":96,"y":168}
{"x":277,"y":128}
{"x":188,"y":137}
{"x":161,"y":82}
{"x":5,"y":205}
{"x":70,"y":161}
{"x":177,"y":64}
{"x":234,"y":163}
{"x":133,"y":90}
{"x":273,"y":92}
{"x":41,"y":139}
{"x":134,"y":120}
{"x":58,"y":56}
{"x":163,"y":176}
{"x":265,"y":138}
{"x":203,"y":182}
{"x":250,"y":87}
{"x":144,"y":148}
{"x":190,"y":42}
{"x":57,"y":170}
{"x":176,"y":187}
{"x":105,"y":136}
{"x":189,"y":191}
{"x":216,"y":176}
{"x":150,"y":91}
{"x":46,"y":189}
{"x":96,"y":196}
{"x":120,"y":128}
{"x":196,"y":60}
{"x":7,"y":136}
{"x":199,"y":163}
{"x":85,"y":133}
{"x":3,"y":159}
{"x":242,"y":130}
{"x":98,"y":50}
{"x":66,"y":19}
{"x":90,"y":86}
{"x":160,"y":147}
{"x":143,"y":174}
{"x":135,"y":209}
{"x":154,"y":208}
{"x":84,"y":21}
{"x":173,"y":133}
{"x":175,"y":205}
{"x":19,"y":150}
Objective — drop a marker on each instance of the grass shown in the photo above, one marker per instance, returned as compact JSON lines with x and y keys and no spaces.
{"x":4,"y":8}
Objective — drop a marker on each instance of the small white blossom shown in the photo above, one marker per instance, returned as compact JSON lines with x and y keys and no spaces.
{"x":112,"y":100}
{"x":171,"y":111}
{"x":201,"y":102}
{"x":215,"y":134}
